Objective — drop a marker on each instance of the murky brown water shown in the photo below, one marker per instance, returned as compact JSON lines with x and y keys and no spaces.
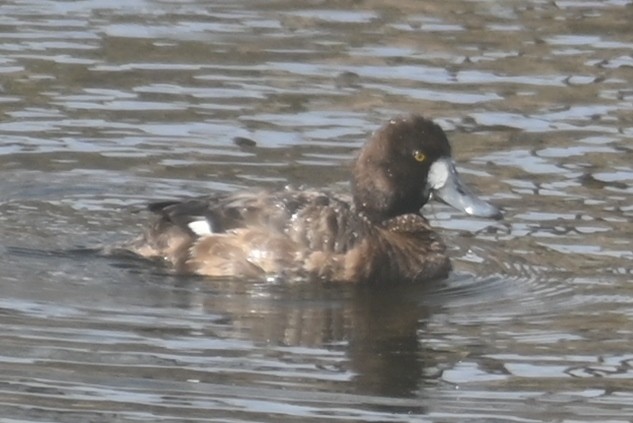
{"x":107,"y":104}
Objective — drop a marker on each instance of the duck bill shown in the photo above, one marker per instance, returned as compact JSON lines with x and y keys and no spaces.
{"x":445,"y":184}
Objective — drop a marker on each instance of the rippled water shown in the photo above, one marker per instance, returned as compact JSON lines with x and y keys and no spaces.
{"x":107,"y":104}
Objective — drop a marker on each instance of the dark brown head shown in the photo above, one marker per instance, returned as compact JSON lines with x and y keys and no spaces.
{"x":402,"y":165}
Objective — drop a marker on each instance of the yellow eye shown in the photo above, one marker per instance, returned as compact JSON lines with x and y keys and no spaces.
{"x":419,"y":156}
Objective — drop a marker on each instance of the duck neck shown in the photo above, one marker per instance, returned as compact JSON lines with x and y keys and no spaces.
{"x":378,"y":205}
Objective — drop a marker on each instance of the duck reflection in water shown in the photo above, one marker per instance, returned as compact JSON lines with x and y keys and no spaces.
{"x":305,"y":234}
{"x":360,"y":339}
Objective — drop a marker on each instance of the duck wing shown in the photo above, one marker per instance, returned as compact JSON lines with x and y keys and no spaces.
{"x":313,"y":219}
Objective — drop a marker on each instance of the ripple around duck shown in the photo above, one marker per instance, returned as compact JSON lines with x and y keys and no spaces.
{"x":503,"y":281}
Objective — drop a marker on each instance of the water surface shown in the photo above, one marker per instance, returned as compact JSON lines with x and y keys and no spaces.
{"x":109,"y":104}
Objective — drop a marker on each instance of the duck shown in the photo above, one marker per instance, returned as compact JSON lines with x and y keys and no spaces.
{"x":375,"y":235}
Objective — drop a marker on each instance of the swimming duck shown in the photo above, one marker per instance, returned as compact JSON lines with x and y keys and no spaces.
{"x":380,"y":236}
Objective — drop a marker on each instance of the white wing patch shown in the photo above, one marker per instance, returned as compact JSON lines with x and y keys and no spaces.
{"x":201,"y":227}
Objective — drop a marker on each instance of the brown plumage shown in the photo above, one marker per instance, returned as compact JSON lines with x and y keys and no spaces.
{"x":379,"y":237}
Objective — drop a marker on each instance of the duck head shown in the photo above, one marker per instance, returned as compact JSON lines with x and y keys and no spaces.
{"x":405,"y":164}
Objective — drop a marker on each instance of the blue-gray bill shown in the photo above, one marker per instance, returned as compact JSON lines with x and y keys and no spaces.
{"x":446,"y":185}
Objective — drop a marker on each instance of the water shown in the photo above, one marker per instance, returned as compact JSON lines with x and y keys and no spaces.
{"x":109,"y":104}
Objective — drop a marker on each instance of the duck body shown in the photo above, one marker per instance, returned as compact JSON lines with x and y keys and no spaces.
{"x":378,"y":236}
{"x":291,"y":234}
